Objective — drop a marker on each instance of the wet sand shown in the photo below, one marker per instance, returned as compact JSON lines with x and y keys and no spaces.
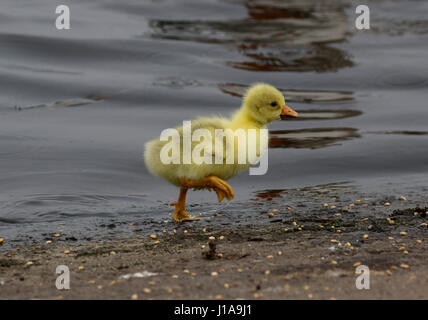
{"x":314,"y":259}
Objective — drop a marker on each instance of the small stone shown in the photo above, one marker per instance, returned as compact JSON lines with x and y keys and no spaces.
{"x":67,"y":251}
{"x":280,"y":253}
{"x":1,"y":240}
{"x":186,"y":271}
{"x":134,"y":297}
{"x":147,"y":290}
{"x":267,"y":272}
{"x":29,"y":263}
{"x":388,"y":272}
{"x":387,"y":204}
{"x":306,"y":288}
{"x":221,"y":238}
{"x":419,"y":241}
{"x":366,"y":236}
{"x":57,"y":235}
{"x":403,"y":198}
{"x":174,"y":276}
{"x":153,"y":236}
{"x":404,"y":266}
{"x":403,"y":233}
{"x":270,"y":257}
{"x":112,"y":283}
{"x":219,"y":297}
{"x":226,"y":286}
{"x":356,"y":264}
{"x":391,"y":238}
{"x":48,"y":242}
{"x":334,"y":262}
{"x":239,"y":270}
{"x":81,"y":268}
{"x":211,"y":238}
{"x":271,"y":215}
{"x":214,"y":274}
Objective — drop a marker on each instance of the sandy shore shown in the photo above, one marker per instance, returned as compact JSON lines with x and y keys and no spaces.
{"x":311,"y":260}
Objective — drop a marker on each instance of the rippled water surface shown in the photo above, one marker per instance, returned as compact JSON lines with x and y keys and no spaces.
{"x":77,"y":106}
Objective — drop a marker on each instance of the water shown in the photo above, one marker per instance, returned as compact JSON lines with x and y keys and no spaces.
{"x":77,"y":106}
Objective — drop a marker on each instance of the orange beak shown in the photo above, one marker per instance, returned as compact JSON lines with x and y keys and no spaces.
{"x":288,"y":112}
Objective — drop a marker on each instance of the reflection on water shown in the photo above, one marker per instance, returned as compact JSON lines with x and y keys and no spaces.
{"x":403,"y":132}
{"x":293,"y":95}
{"x":311,"y":138}
{"x":326,"y":114}
{"x":275,"y":36}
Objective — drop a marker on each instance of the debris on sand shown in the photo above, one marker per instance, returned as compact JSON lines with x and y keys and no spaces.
{"x":211,"y":253}
{"x":143,"y":274}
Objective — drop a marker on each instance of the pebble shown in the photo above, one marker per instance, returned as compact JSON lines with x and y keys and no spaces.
{"x":334,"y":262}
{"x":387,"y":204}
{"x":366,"y":236}
{"x":275,"y":210}
{"x":1,"y":240}
{"x":81,"y":268}
{"x":57,"y":235}
{"x":100,"y":287}
{"x":214,"y":274}
{"x":147,"y":290}
{"x":211,"y":238}
{"x":174,"y":276}
{"x":67,"y":251}
{"x":388,"y":272}
{"x":153,"y":236}
{"x":48,"y":242}
{"x":325,"y":205}
{"x":134,"y":297}
{"x":404,"y":266}
{"x":403,"y":198}
{"x":219,"y":297}
{"x":221,"y":238}
{"x":271,"y":215}
{"x":267,"y":272}
{"x":419,"y":241}
{"x":356,"y":264}
{"x":239,"y":270}
{"x":29,"y":263}
{"x":280,"y":253}
{"x":306,"y":287}
{"x":270,"y":257}
{"x":226,"y":286}
{"x":403,"y":233}
{"x":112,"y":283}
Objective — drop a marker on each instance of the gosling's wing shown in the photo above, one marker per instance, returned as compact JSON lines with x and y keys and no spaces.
{"x":212,"y":126}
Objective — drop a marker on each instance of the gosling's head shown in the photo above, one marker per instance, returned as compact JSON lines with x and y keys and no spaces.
{"x":266,"y":104}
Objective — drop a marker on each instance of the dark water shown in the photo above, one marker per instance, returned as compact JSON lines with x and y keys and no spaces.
{"x":77,"y":106}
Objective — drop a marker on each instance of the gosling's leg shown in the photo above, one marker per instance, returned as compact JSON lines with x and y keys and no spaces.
{"x":221,"y":187}
{"x":180,"y":214}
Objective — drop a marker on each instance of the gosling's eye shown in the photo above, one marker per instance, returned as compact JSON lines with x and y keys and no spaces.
{"x":273,"y":104}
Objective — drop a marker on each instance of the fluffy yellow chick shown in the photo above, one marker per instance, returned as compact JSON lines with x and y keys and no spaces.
{"x":262,"y":104}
